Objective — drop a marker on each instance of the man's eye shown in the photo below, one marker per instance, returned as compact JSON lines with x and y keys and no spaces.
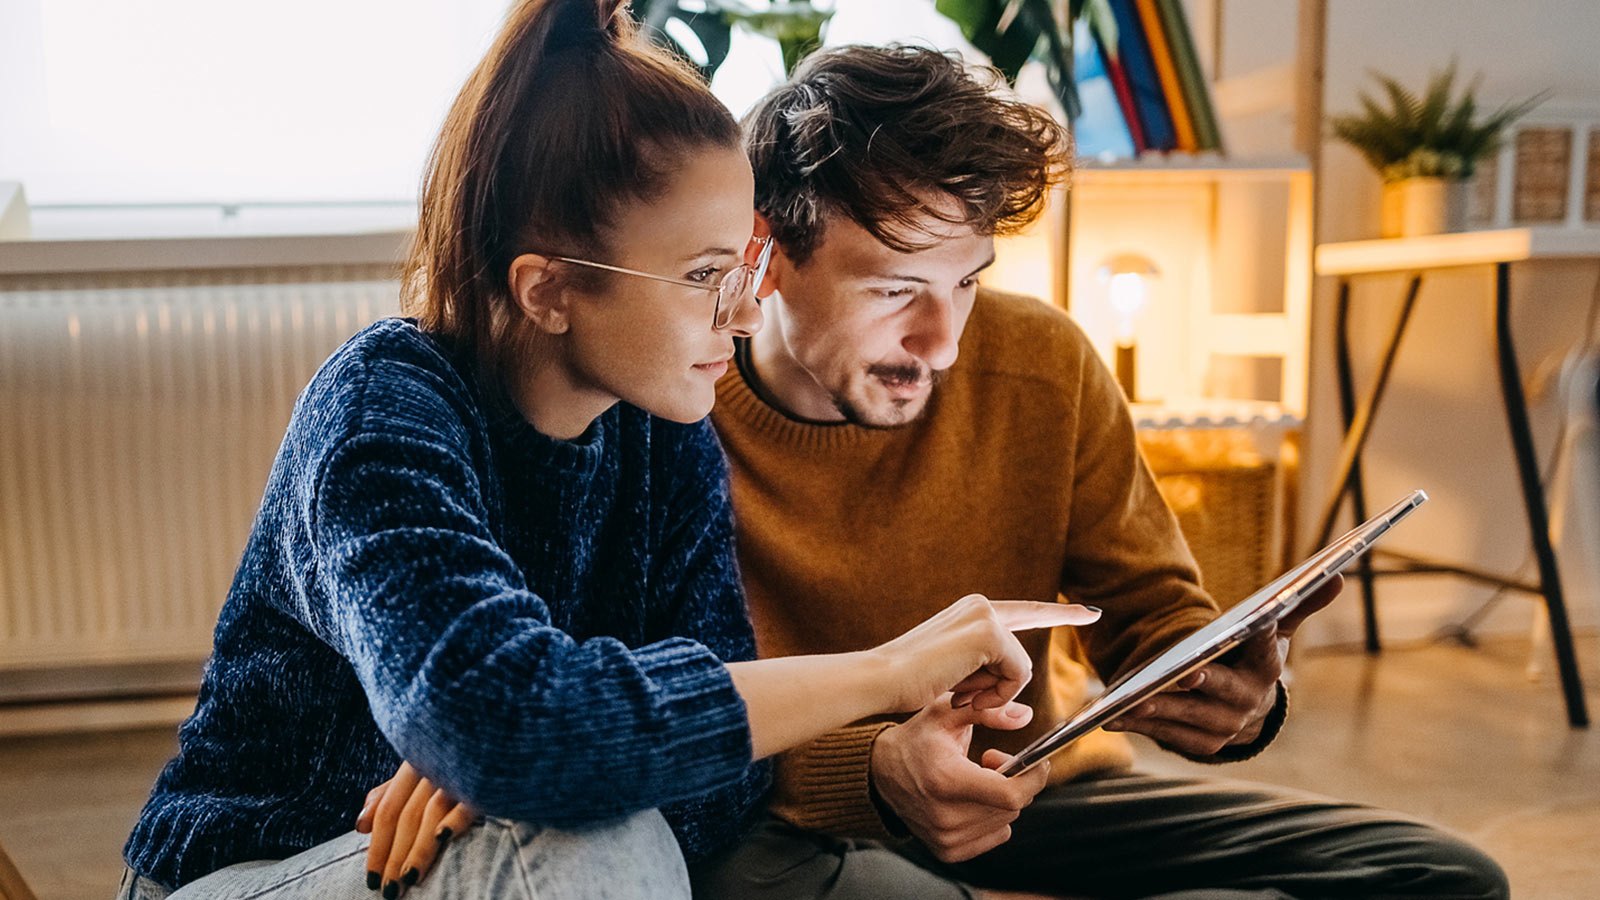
{"x":968,"y":283}
{"x":894,"y":292}
{"x":705,"y":275}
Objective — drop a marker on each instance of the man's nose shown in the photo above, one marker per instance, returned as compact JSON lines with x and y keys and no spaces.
{"x":933,"y":337}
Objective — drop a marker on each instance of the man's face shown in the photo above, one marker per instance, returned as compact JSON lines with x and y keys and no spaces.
{"x":862,"y":330}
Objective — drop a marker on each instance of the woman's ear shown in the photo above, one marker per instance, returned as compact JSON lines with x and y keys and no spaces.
{"x":540,"y":291}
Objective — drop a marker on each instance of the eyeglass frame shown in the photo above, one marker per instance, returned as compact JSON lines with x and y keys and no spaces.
{"x":758,"y":270}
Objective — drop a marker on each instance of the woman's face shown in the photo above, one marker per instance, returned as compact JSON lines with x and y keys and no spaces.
{"x":650,"y":343}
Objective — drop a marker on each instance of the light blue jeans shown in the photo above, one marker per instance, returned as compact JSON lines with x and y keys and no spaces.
{"x":636,"y":857}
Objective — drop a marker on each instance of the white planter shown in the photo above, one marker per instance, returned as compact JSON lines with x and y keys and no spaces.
{"x":1418,"y":206}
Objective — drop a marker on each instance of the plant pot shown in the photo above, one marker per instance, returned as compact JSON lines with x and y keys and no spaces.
{"x":1419,"y":206}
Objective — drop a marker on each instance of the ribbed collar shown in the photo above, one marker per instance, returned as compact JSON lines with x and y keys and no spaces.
{"x":740,"y":394}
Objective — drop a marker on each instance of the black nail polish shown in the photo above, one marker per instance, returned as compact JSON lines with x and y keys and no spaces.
{"x":373,"y":881}
{"x":410,"y":877}
{"x":445,"y":834}
{"x":1094,"y":609}
{"x":391,"y":890}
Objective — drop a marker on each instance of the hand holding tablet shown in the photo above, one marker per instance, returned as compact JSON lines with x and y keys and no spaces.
{"x":1250,"y":617}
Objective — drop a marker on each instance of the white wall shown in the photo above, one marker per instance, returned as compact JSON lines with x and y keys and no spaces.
{"x":1442,"y":426}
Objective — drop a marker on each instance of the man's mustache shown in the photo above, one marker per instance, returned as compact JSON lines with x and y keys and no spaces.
{"x":906,"y":373}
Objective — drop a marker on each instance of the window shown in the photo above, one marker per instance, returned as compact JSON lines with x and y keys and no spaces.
{"x":226,"y":102}
{"x":221,"y":101}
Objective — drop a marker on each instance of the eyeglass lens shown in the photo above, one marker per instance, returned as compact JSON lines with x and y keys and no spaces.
{"x":739,"y":281}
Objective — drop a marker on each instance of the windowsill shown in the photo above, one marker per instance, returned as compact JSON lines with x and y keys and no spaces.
{"x":121,"y":239}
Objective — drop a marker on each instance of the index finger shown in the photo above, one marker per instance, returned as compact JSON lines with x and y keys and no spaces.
{"x":1021,"y":615}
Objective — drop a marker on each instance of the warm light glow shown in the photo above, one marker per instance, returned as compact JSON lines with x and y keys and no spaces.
{"x":1128,"y":295}
{"x":1127,"y":279}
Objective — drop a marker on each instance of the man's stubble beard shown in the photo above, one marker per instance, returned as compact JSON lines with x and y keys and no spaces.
{"x":856,"y":416}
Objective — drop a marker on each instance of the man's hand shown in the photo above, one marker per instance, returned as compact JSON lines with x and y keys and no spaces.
{"x":956,"y":808}
{"x":1225,"y":703}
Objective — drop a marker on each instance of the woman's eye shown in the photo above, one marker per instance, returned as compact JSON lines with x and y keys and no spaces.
{"x":705,"y":275}
{"x":894,"y":293}
{"x":968,"y":283}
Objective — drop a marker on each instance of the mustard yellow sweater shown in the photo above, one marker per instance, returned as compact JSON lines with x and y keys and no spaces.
{"x":1023,"y":481}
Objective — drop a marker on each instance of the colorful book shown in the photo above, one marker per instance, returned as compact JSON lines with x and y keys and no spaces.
{"x":1167,"y":72}
{"x":1195,"y":91}
{"x":1119,"y":82}
{"x":1148,"y":100}
{"x":1099,"y":131}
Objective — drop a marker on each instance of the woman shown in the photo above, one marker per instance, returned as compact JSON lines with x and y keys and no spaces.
{"x":496,"y":541}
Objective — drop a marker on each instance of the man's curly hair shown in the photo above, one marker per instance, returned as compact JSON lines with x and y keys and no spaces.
{"x":871,"y":132}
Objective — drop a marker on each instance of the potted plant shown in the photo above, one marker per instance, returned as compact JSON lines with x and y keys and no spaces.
{"x":1425,"y":148}
{"x":1010,"y":32}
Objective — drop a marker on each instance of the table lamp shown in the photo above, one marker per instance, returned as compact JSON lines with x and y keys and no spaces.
{"x":1127,"y":280}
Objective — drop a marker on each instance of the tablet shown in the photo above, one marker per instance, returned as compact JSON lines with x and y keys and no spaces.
{"x":1236,"y":625}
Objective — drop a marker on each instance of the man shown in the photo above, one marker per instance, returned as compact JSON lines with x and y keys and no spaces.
{"x":899,"y":436}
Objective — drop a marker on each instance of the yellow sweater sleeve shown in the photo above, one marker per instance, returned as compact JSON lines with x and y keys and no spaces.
{"x":826,"y":785}
{"x":1125,"y":552}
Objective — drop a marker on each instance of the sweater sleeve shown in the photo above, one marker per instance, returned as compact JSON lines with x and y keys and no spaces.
{"x":1127,"y":555}
{"x":464,"y":673}
{"x":699,"y":565}
{"x":1124,"y":550}
{"x":826,"y":785}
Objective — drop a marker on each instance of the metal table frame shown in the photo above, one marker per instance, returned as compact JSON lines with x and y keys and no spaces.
{"x":1347,"y":480}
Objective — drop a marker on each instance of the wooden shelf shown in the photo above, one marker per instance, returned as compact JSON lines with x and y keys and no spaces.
{"x":1187,"y":168}
{"x":1467,"y":248}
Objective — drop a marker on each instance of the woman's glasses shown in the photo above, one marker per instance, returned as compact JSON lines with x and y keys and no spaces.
{"x":741,"y":281}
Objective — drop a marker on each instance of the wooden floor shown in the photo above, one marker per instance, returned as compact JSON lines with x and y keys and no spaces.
{"x":1455,"y":735}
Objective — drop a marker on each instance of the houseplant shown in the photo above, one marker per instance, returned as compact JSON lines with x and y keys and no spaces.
{"x":704,"y":27}
{"x":1425,"y":148}
{"x":1010,"y":32}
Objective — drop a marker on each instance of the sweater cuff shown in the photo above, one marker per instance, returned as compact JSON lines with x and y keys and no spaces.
{"x":1270,"y":727}
{"x":827,"y":785}
{"x":709,"y":740}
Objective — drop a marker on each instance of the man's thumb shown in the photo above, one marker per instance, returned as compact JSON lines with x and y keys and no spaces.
{"x":1010,"y":717}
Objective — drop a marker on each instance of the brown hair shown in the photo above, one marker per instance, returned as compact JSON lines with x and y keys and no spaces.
{"x":570,"y":115}
{"x":869,"y":132}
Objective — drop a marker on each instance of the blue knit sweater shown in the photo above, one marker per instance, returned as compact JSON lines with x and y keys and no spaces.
{"x":537,"y":625}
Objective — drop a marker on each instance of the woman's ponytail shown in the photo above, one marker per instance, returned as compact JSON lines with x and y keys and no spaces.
{"x":569,"y":115}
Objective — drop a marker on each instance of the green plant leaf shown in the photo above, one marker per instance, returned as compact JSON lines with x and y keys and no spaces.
{"x":1058,"y":52}
{"x":709,"y":27}
{"x":980,"y":24}
{"x":1430,"y":135}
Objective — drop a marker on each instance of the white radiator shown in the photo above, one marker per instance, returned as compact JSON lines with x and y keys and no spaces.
{"x":139,"y":416}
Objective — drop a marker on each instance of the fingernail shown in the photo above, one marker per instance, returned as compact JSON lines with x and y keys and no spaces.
{"x":410,"y":877}
{"x":1094,"y":609}
{"x":444,"y":835}
{"x":373,"y":880}
{"x":391,"y":890}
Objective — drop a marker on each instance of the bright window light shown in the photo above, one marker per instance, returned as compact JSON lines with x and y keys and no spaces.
{"x":293,"y":101}
{"x":175,"y":101}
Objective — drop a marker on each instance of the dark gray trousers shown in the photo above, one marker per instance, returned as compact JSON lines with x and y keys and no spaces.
{"x":1130,"y":836}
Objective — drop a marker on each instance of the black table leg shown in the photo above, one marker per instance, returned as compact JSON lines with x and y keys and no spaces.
{"x":1533,"y":498}
{"x":1358,"y":426}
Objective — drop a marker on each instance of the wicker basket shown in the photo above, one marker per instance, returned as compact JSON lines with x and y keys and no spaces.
{"x":1226,"y":497}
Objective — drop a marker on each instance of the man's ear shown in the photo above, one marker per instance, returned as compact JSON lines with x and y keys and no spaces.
{"x":540,"y":291}
{"x":770,"y":282}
